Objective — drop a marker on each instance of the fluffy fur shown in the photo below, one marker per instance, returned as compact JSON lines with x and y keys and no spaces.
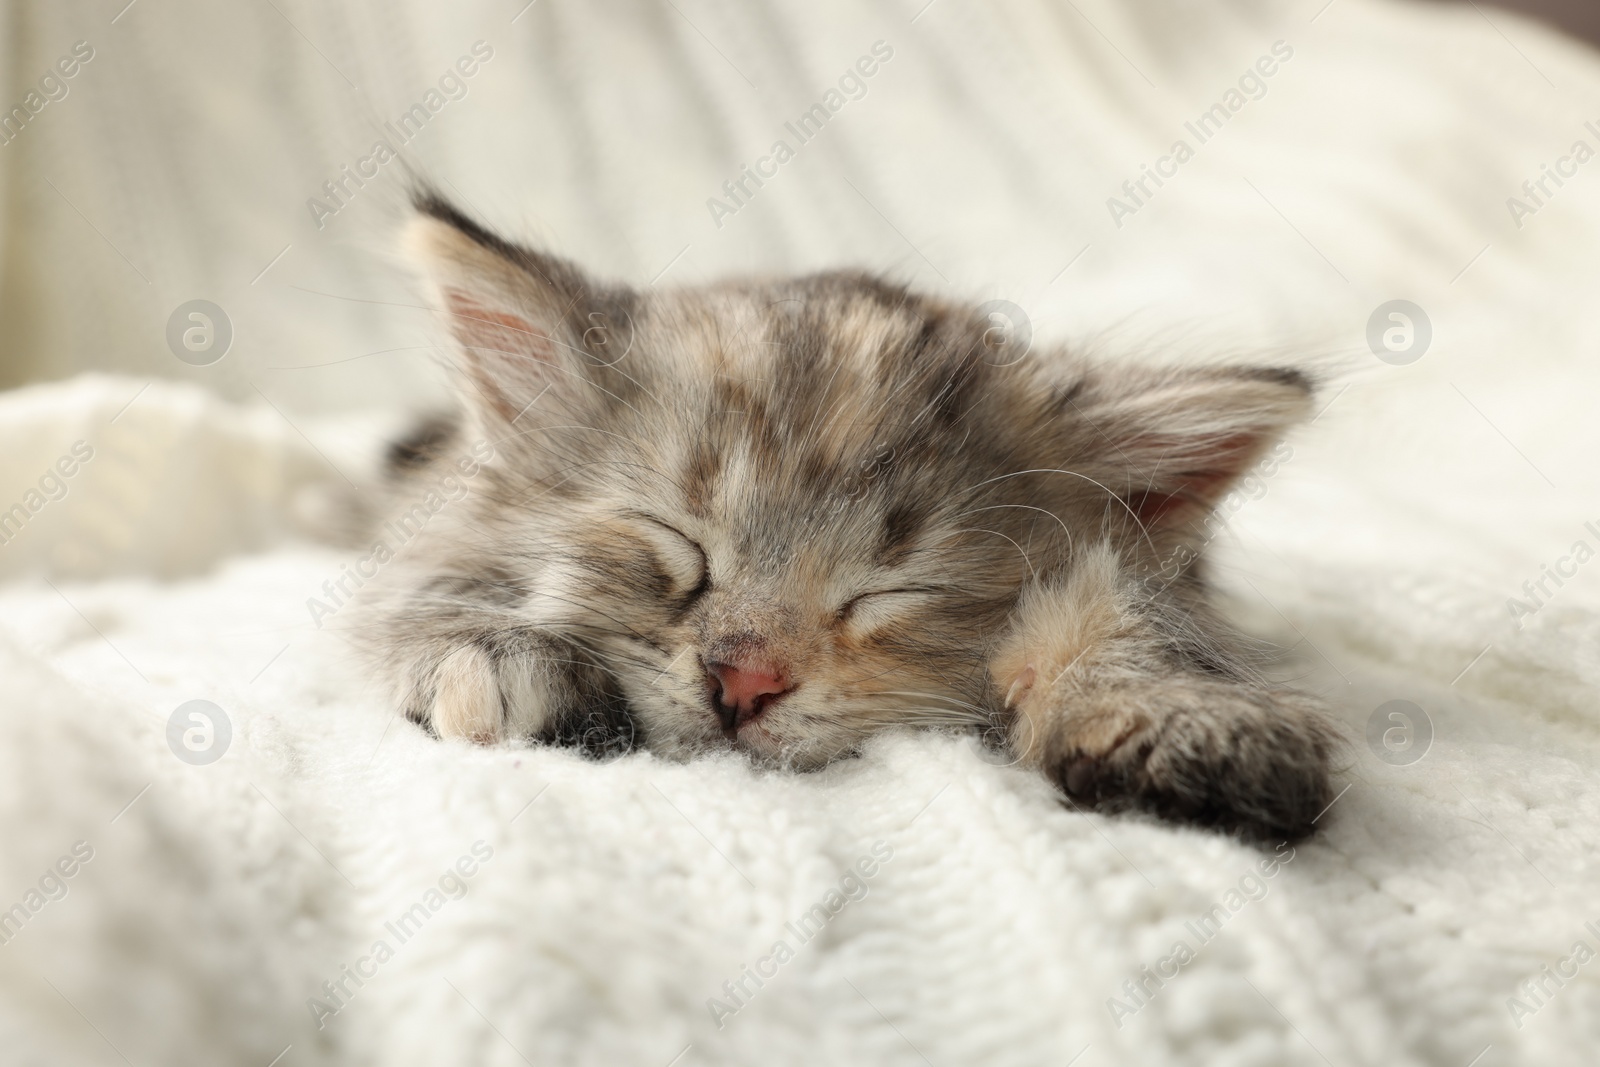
{"x":854,"y":492}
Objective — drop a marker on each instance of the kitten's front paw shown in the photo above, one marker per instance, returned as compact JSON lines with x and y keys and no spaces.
{"x":514,"y":683}
{"x":485,"y":695}
{"x":466,"y":697}
{"x":1188,"y":748}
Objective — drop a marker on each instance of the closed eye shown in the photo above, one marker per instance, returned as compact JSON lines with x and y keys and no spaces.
{"x":881,"y":603}
{"x":681,"y":555}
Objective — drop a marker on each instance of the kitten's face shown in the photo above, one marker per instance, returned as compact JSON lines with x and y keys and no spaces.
{"x":783,"y":538}
{"x":784,"y":516}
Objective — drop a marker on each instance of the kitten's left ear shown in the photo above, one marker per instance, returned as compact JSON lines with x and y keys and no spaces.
{"x":1171,"y":443}
{"x":526,"y":324}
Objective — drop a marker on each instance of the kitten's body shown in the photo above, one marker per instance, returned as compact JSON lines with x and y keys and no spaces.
{"x":783,"y":516}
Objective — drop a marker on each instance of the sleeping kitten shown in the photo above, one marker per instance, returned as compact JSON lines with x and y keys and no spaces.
{"x":784,"y":515}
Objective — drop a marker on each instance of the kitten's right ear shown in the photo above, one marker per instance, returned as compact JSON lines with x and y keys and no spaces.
{"x":522,"y":321}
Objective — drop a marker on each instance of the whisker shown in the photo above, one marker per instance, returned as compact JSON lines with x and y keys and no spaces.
{"x":1056,"y":470}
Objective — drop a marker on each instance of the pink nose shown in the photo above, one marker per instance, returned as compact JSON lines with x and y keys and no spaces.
{"x":740,"y":692}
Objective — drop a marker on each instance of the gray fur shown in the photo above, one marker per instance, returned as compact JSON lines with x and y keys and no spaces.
{"x":842,"y":476}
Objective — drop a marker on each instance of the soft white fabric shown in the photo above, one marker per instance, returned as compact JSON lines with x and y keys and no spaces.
{"x":620,"y":897}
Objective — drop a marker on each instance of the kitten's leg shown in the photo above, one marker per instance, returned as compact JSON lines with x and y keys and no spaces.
{"x":1101,"y":706}
{"x":488,"y":687}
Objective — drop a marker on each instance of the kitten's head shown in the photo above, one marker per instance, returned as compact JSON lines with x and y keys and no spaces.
{"x":787,"y":514}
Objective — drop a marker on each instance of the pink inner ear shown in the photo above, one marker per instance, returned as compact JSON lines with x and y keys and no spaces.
{"x":493,"y":331}
{"x":1153,"y":507}
{"x":509,"y":357}
{"x":1192,"y":481}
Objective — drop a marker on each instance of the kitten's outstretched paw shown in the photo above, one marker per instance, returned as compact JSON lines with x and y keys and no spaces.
{"x":485,"y":696}
{"x":515,"y":684}
{"x":1238,"y":758}
{"x":467,"y":700}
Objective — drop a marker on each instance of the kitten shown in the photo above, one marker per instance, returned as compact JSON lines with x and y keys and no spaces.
{"x":784,"y":515}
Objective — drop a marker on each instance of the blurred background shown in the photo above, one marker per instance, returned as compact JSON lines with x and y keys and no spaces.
{"x":184,"y":161}
{"x":1575,"y":16}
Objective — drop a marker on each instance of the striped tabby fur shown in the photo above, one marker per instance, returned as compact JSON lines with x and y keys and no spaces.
{"x":843,"y":488}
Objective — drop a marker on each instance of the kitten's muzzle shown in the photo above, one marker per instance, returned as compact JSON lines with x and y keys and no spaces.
{"x":740,"y":691}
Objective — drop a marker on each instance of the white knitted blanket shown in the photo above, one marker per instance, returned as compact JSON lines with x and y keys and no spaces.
{"x":334,"y":888}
